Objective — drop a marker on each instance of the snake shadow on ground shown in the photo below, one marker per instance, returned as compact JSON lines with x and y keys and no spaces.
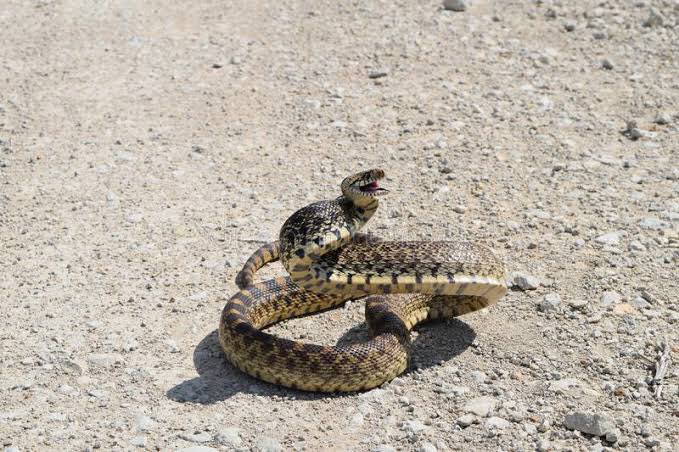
{"x":218,"y":380}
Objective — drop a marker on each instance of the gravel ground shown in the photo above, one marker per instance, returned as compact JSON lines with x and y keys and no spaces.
{"x":147,"y":148}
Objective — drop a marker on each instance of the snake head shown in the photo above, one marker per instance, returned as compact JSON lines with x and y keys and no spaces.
{"x":364,"y":186}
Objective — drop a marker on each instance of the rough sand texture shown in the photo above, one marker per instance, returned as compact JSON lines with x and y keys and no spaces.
{"x":147,"y":148}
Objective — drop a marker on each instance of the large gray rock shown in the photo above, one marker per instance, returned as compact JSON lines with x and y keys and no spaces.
{"x":592,"y":424}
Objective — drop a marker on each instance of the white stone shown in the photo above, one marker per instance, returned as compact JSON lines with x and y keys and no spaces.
{"x":103,"y":360}
{"x":524,"y":281}
{"x":414,"y":426}
{"x":139,"y":441}
{"x":563,"y":384}
{"x":199,"y":438}
{"x":653,"y":223}
{"x":481,"y":406}
{"x":610,"y":298}
{"x":478,"y":376}
{"x":143,"y":423}
{"x":229,"y":436}
{"x":611,"y":238}
{"x":268,"y":444}
{"x":356,"y":420}
{"x":497,"y":423}
{"x":427,"y":447}
{"x":466,"y":420}
{"x":551,"y":302}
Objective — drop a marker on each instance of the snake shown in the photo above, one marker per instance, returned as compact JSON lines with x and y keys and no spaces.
{"x":330,"y":261}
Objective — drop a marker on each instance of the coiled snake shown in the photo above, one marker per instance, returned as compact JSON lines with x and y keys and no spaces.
{"x":330,"y":262}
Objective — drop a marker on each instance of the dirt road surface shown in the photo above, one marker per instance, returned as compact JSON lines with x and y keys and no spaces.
{"x":147,"y":148}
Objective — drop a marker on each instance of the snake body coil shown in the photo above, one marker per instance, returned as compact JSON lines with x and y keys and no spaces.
{"x":330,"y":262}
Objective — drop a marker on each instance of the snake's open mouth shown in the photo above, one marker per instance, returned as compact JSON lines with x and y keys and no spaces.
{"x":372,"y":187}
{"x":363,"y":187}
{"x":369,"y":185}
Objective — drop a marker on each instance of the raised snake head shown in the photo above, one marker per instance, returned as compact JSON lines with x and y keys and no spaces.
{"x":363,"y":187}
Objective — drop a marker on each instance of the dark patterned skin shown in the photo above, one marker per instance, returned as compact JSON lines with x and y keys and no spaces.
{"x":330,"y":262}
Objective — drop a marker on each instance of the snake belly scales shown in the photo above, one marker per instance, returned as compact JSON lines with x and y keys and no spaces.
{"x":329,"y":262}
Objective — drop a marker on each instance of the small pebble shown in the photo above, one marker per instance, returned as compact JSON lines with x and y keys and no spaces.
{"x":103,"y":360}
{"x":466,"y":420}
{"x":67,"y":390}
{"x":649,"y":297}
{"x":577,"y":303}
{"x":550,"y":302}
{"x":414,"y":427}
{"x":313,"y":103}
{"x":570,"y":25}
{"x":378,"y":73}
{"x":139,"y":441}
{"x":611,"y":238}
{"x":497,"y":423}
{"x":455,"y":5}
{"x":268,"y":444}
{"x":607,"y":64}
{"x":202,"y":437}
{"x":653,"y":223}
{"x":610,"y":298}
{"x":427,"y":447}
{"x":544,"y":445}
{"x":524,"y":281}
{"x":481,"y":406}
{"x":563,"y":384}
{"x":356,"y":420}
{"x":654,"y":19}
{"x":478,"y":376}
{"x":530,"y":429}
{"x":599,"y":35}
{"x":637,"y":246}
{"x":384,"y":448}
{"x":143,"y":423}
{"x":640,"y":303}
{"x":229,"y":436}
{"x":663,"y":119}
{"x":135,"y":217}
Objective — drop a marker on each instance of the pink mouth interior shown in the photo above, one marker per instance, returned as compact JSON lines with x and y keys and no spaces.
{"x":373,"y":186}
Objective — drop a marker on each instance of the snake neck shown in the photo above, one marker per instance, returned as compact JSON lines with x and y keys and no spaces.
{"x":359,"y":211}
{"x":319,"y":228}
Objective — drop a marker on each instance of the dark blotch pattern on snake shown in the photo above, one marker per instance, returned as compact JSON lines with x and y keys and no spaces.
{"x":329,"y":262}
